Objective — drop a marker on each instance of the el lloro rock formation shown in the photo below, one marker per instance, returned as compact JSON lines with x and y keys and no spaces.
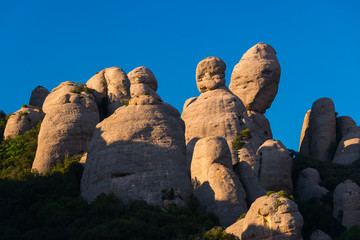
{"x":139,"y":153}
{"x":22,"y":120}
{"x":256,"y":77}
{"x":269,"y":217}
{"x":216,"y":112}
{"x":347,"y":203}
{"x":111,"y":90}
{"x":308,"y":185}
{"x":273,"y":166}
{"x":214,"y":182}
{"x":38,"y":96}
{"x":71,"y":117}
{"x":319,"y":135}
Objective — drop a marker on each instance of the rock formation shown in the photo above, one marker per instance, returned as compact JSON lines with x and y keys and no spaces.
{"x":269,"y":217}
{"x":111,"y":90}
{"x":23,"y":120}
{"x":215,"y":184}
{"x":345,"y":125}
{"x":348,"y":149}
{"x":38,"y":96}
{"x":218,"y":112}
{"x":319,"y":235}
{"x":347,"y":203}
{"x":273,"y":166}
{"x":138,"y":153}
{"x":308,"y":185}
{"x":319,"y":135}
{"x":261,"y":122}
{"x":71,"y":117}
{"x":256,"y":77}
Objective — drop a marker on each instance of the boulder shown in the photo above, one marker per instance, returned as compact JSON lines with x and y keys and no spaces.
{"x":22,"y":120}
{"x":348,"y":149}
{"x":38,"y":96}
{"x":308,"y":185}
{"x":273,"y":166}
{"x":319,"y":235}
{"x":210,"y":74}
{"x":111,"y":90}
{"x":138,"y":153}
{"x":215,"y":184}
{"x":218,"y":112}
{"x":261,"y":122}
{"x":347,"y":203}
{"x":256,"y":77}
{"x":345,"y":125}
{"x":250,"y":182}
{"x":319,"y":135}
{"x":269,"y":217}
{"x":71,"y":117}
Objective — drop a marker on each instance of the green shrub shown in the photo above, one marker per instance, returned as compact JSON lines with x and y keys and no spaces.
{"x":238,"y":142}
{"x":353,"y":233}
{"x":241,"y":216}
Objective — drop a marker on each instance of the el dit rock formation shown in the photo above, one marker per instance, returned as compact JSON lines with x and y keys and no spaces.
{"x":71,"y":115}
{"x":139,"y":152}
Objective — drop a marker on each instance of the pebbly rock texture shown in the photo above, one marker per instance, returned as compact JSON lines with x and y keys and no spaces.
{"x":319,"y":235}
{"x":250,"y":182}
{"x":269,"y":217}
{"x":348,"y":149}
{"x":319,"y":135}
{"x":38,"y":96}
{"x":23,"y":120}
{"x":215,"y":184}
{"x":347,"y":203}
{"x":308,"y":185}
{"x":218,"y":112}
{"x":143,"y":87}
{"x":71,"y":117}
{"x":138,"y":153}
{"x":273,"y":166}
{"x":346,"y":125}
{"x":256,"y":77}
{"x":111,"y":90}
{"x":261,"y":122}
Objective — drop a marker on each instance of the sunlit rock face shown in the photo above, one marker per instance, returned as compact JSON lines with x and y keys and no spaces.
{"x":139,"y":153}
{"x":71,"y":115}
{"x":256,"y":77}
{"x":215,"y":184}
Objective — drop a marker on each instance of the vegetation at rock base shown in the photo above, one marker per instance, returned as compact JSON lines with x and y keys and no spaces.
{"x":49,"y":206}
{"x":317,"y":213}
{"x":238,"y":142}
{"x":3,"y":119}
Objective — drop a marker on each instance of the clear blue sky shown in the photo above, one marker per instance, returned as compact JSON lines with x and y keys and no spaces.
{"x":318,"y":45}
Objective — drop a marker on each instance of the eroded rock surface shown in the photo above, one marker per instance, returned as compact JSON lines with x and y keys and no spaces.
{"x":38,"y":96}
{"x":111,"y":90}
{"x":138,"y":153}
{"x":346,"y":125}
{"x":210,"y":74}
{"x":71,"y":117}
{"x":308,"y":185}
{"x":22,"y":120}
{"x":348,"y":149}
{"x":214,"y":182}
{"x":256,"y":77}
{"x":269,"y":217}
{"x":273,"y":166}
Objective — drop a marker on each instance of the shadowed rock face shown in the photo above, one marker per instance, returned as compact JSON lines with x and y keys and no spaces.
{"x":137,"y":153}
{"x":308,"y":185}
{"x":256,"y":77}
{"x":346,"y":125}
{"x":111,"y":90}
{"x":272,"y":217}
{"x":214,"y":182}
{"x":318,"y":137}
{"x":68,"y":125}
{"x":348,"y":149}
{"x":319,"y":235}
{"x":38,"y":96}
{"x":22,"y":121}
{"x":273,"y":166}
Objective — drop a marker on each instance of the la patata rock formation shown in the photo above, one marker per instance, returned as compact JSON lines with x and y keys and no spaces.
{"x":71,"y":115}
{"x":139,"y":152}
{"x":111,"y":90}
{"x":23,"y":120}
{"x":269,"y":217}
{"x":215,"y":184}
{"x":38,"y":96}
